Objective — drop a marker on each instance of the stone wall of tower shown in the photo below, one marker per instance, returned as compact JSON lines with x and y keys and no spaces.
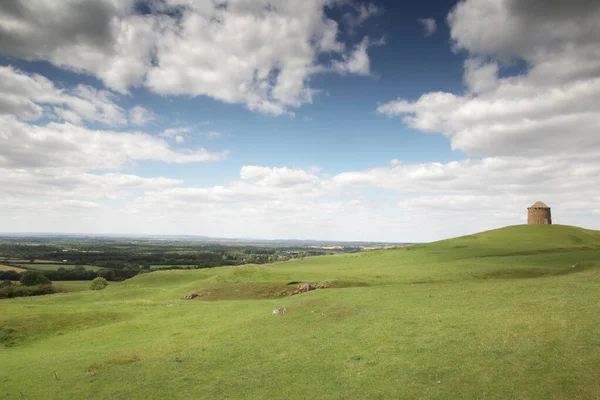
{"x":539,"y":216}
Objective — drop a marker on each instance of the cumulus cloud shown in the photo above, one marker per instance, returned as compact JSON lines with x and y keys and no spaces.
{"x":552,"y":107}
{"x":26,"y":96}
{"x":139,"y":116}
{"x":429,"y":25}
{"x":359,"y":13}
{"x":536,"y":128}
{"x":356,"y":62}
{"x":253,"y":53}
{"x":23,"y":145}
{"x":423,"y":201}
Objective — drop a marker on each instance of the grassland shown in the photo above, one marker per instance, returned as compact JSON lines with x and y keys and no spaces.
{"x":506,"y":314}
{"x":55,"y":266}
{"x":73,"y":286}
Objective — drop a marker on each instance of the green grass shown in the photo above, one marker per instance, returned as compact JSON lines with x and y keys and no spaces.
{"x":506,"y":314}
{"x":54,"y":267}
{"x":72,"y":286}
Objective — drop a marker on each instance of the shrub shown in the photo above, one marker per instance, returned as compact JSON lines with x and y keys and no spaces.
{"x":11,"y":291}
{"x":10,"y":275}
{"x":33,"y":278}
{"x":98,"y":283}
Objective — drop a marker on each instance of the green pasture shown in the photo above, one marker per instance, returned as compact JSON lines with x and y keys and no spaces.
{"x":54,"y":267}
{"x":506,"y":314}
{"x":73,"y":286}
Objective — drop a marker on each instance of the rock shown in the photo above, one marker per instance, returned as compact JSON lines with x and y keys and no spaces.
{"x":281,"y":310}
{"x":306,"y":287}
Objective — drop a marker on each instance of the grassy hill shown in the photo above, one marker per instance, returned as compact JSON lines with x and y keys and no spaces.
{"x":510,"y":313}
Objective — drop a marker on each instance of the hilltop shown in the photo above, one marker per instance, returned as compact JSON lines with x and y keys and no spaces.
{"x":509,"y":313}
{"x":525,"y":238}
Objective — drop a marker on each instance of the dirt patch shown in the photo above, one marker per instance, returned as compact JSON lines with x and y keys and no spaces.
{"x":306,"y":287}
{"x":122,"y":360}
{"x":264,"y":290}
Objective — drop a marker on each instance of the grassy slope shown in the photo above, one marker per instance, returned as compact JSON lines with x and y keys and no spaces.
{"x":511,"y":313}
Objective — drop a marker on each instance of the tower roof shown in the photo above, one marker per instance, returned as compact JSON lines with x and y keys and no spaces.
{"x":539,"y":204}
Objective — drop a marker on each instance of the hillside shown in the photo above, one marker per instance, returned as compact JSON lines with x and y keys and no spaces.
{"x":524,"y":238}
{"x":509,"y":313}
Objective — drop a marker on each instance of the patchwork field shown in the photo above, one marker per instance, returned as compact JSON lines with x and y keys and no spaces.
{"x":506,"y":314}
{"x":10,"y":268}
{"x":55,"y":266}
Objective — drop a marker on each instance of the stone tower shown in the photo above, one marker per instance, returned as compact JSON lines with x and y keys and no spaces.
{"x":539,"y":214}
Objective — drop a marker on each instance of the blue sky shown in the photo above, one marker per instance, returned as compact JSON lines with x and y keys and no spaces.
{"x":341,"y":120}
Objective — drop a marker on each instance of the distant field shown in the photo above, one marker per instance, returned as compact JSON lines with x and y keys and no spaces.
{"x":71,"y":286}
{"x":54,"y":267}
{"x":170,"y":266}
{"x":20,"y":260}
{"x":9,"y":268}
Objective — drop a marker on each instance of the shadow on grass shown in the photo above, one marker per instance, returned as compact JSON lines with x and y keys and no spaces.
{"x":22,"y":330}
{"x":539,"y":272}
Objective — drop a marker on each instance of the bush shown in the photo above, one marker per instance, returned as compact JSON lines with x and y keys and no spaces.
{"x":11,"y":291}
{"x":10,"y":275}
{"x":33,"y":278}
{"x":98,"y":283}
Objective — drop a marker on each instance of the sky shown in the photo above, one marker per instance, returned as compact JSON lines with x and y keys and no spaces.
{"x":317,"y":119}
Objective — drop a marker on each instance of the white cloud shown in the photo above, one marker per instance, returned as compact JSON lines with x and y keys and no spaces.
{"x":262,"y":57}
{"x":170,"y":132}
{"x":213,"y":134}
{"x":552,"y":107}
{"x":360,"y":13}
{"x":356,"y":62}
{"x":429,"y":25}
{"x":62,"y":145}
{"x":138,"y":115}
{"x":422,"y":201}
{"x":26,"y":96}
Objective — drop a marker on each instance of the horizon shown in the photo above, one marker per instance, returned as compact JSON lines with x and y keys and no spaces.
{"x":343,"y":120}
{"x":206,"y":238}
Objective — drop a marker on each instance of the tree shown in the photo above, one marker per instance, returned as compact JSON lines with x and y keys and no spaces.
{"x":33,"y":278}
{"x":98,"y":283}
{"x":107,"y":274}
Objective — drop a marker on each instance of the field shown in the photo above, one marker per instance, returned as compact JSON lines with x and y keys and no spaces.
{"x":10,"y":268}
{"x":55,"y":266}
{"x":506,"y":314}
{"x":73,"y":286}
